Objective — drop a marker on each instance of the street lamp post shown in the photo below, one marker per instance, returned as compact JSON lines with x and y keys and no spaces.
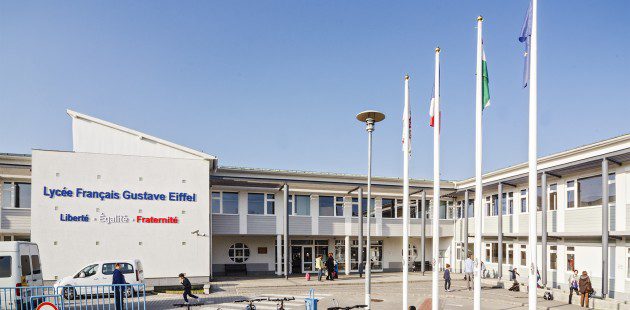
{"x":369,"y":117}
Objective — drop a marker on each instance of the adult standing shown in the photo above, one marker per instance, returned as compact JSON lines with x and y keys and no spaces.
{"x":319,"y":266}
{"x":469,"y":269}
{"x":118,"y":282}
{"x":585,"y":288}
{"x":330,"y":267}
{"x":573,"y":285}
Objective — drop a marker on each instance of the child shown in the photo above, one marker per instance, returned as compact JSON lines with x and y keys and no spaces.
{"x":187,"y":288}
{"x":447,"y":278}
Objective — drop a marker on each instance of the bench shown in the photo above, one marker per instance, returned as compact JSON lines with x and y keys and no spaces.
{"x":235,"y":268}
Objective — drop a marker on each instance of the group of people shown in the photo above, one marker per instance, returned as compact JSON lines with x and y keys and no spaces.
{"x":332,"y":268}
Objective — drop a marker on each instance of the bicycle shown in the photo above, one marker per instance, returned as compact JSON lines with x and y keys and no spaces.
{"x":280,"y":301}
{"x":250,"y":302}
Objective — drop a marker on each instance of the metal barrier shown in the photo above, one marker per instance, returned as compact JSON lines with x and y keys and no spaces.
{"x":84,"y":297}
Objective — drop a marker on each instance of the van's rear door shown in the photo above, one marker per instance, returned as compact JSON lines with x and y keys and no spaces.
{"x":37,"y":277}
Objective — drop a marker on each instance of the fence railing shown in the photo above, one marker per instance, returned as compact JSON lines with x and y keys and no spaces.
{"x":82,"y":297}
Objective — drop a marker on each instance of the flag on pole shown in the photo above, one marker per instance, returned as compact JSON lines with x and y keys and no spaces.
{"x":525,"y":37}
{"x":431,"y":108}
{"x":407,"y":116}
{"x":485,"y":87}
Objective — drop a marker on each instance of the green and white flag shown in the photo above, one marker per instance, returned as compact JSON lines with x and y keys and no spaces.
{"x":485,"y":83}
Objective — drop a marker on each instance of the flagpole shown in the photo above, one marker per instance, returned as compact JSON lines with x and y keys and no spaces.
{"x":436,"y":184}
{"x":478,"y":181}
{"x":533,"y":175}
{"x":405,"y":241}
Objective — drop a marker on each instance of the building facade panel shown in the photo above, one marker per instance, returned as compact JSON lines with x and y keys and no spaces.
{"x":16,"y":219}
{"x":261,"y":224}
{"x":225,"y":224}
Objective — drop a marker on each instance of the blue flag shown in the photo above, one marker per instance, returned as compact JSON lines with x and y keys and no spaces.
{"x":525,"y":37}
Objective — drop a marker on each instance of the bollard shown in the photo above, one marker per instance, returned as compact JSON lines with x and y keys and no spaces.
{"x":311,"y":301}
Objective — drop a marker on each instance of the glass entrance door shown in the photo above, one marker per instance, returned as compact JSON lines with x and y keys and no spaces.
{"x":308,"y":259}
{"x":296,"y":259}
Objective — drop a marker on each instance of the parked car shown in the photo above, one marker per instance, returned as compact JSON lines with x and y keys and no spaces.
{"x":96,"y":278}
{"x":19,"y":267}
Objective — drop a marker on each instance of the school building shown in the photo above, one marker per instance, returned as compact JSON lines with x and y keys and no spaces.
{"x":120,"y":193}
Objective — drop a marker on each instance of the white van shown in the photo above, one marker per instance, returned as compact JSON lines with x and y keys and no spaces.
{"x":100,"y":274}
{"x":19,"y":267}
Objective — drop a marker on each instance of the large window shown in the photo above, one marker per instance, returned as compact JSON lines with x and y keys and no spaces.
{"x":523,"y":200}
{"x":355,"y":207}
{"x":553,"y":196}
{"x":389,"y":208}
{"x":225,"y":202}
{"x":590,"y":190}
{"x":302,"y":205}
{"x":5,"y":266}
{"x":260,"y":204}
{"x":16,"y":195}
{"x":326,"y":206}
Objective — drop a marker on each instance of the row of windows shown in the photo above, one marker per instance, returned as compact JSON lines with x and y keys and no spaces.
{"x":587,"y":193}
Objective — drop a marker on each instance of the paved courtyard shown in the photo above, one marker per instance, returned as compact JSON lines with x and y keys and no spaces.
{"x":386,"y":294}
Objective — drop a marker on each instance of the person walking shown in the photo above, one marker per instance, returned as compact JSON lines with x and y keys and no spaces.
{"x":118,"y":282}
{"x":469,"y":269}
{"x":447,"y":278}
{"x":319,"y":266}
{"x":330,"y":267}
{"x":585,"y":288}
{"x":483,"y":270}
{"x":513,"y":274}
{"x":187,"y":288}
{"x":573,"y":285}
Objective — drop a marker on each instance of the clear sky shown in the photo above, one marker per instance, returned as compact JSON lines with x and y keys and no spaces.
{"x":277,"y":84}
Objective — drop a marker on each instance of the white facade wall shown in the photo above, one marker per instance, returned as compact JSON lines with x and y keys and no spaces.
{"x":164,"y":249}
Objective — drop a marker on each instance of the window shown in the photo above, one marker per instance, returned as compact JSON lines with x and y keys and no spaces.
{"x":523,"y":255}
{"x":224,"y":202}
{"x":570,"y":194}
{"x":488,"y":251}
{"x":16,"y":195}
{"x":255,"y":203}
{"x":338,"y":206}
{"x":510,"y":202}
{"x":510,"y":254}
{"x":590,"y":190}
{"x":271,"y":204}
{"x":399,"y":208}
{"x":612,"y":193}
{"x":523,"y":200}
{"x":216,"y":202}
{"x":389,"y":206}
{"x":495,"y":204}
{"x":553,"y":257}
{"x":538,"y":198}
{"x":570,"y":258}
{"x":238,"y":253}
{"x":326,"y":206}
{"x":413,"y":209}
{"x":355,"y":207}
{"x":37,"y":267}
{"x":87,"y":271}
{"x":5,"y":266}
{"x":303,"y":205}
{"x":553,"y":197}
{"x":488,"y":205}
{"x":25,"y":261}
{"x":260,"y":204}
{"x":108,"y":268}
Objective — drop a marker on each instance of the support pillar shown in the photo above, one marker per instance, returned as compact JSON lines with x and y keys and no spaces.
{"x":347,"y":255}
{"x":466,"y":224}
{"x":543,"y":222}
{"x":279,"y":255}
{"x":360,"y":201}
{"x":423,"y":229}
{"x":286,"y":231}
{"x":605,"y":224}
{"x":500,"y":235}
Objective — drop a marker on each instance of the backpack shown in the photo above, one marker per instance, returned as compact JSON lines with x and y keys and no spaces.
{"x":548,"y":296}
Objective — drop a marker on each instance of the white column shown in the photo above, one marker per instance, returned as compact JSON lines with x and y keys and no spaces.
{"x":347,"y":254}
{"x":436,"y":184}
{"x":242,"y":213}
{"x":478,"y":181}
{"x":279,"y":254}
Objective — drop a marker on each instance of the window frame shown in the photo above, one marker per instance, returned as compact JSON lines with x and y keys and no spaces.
{"x":266,"y":202}
{"x":552,"y":195}
{"x":221,"y":201}
{"x":553,"y":252}
{"x":524,"y":200}
{"x":570,"y":187}
{"x":14,"y":192}
{"x":570,"y":251}
{"x":332,"y":205}
{"x":244,"y":256}
{"x":292,"y":202}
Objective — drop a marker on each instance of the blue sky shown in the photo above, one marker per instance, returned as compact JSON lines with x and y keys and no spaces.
{"x":277,"y":84}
